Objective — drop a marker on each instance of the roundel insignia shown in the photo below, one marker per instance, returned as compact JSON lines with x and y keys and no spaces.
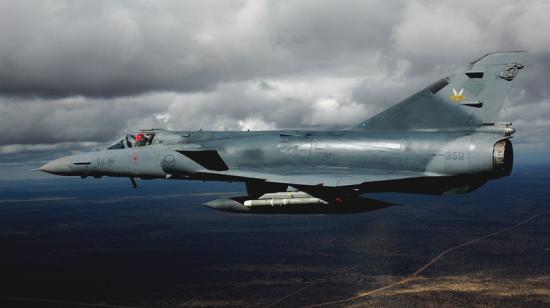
{"x":169,"y":160}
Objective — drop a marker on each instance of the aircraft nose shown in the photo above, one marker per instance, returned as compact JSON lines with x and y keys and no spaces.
{"x":59,"y":166}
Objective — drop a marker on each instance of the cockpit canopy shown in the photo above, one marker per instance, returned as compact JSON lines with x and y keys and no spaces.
{"x":148,"y":137}
{"x":138,"y":139}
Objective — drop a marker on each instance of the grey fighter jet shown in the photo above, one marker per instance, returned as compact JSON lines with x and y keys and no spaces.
{"x":444,"y":139}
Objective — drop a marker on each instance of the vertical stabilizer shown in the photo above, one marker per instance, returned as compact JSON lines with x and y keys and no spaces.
{"x":472,"y":96}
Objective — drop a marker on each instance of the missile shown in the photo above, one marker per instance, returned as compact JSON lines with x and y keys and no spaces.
{"x":284,"y":199}
{"x":269,"y":200}
{"x":283,"y":202}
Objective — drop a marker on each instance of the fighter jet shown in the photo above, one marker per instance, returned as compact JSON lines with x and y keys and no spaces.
{"x":444,"y":139}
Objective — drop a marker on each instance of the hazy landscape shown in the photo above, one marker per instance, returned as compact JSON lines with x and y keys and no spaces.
{"x":74,"y":242}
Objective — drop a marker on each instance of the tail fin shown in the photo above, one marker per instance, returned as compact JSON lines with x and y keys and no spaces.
{"x":472,"y":96}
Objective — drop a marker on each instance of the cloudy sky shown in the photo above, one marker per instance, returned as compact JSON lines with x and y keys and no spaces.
{"x":76,"y":74}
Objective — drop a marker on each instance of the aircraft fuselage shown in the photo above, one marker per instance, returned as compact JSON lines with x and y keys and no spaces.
{"x":466,"y":154}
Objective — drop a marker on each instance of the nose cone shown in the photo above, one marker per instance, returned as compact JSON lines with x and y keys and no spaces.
{"x":59,"y":166}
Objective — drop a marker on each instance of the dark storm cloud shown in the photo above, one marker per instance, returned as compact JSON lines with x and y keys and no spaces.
{"x":120,"y":48}
{"x":108,"y":48}
{"x":87,"y":71}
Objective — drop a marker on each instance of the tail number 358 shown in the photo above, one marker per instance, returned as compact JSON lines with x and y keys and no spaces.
{"x":454,"y":156}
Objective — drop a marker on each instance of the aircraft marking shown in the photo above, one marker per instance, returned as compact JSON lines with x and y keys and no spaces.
{"x":510,"y":71}
{"x":458,"y":96}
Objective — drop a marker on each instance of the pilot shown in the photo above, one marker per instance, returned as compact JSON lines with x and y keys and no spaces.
{"x":140,"y":140}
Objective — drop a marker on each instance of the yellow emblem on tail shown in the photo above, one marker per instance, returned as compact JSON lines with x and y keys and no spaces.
{"x":458,"y":96}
